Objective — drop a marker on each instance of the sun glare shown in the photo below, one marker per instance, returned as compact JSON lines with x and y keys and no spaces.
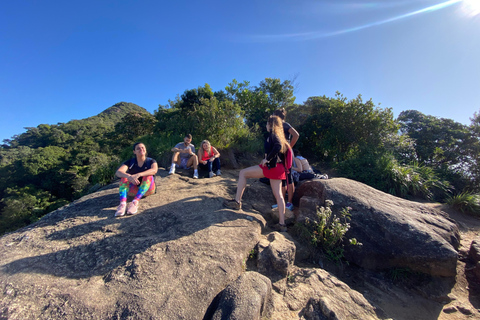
{"x":471,"y":7}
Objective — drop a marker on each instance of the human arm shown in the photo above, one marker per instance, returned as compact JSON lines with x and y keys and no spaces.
{"x":216,"y":154}
{"x":180,"y":147}
{"x":200,"y":155}
{"x":175,"y":149}
{"x":133,"y":178}
{"x":122,"y":173}
{"x":298,"y":165}
{"x":150,"y":172}
{"x":295,"y":136}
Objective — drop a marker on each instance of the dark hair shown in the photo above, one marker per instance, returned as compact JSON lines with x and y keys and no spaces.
{"x":189,"y":136}
{"x":136,"y":144}
{"x":296,"y":152}
{"x":281,"y":113}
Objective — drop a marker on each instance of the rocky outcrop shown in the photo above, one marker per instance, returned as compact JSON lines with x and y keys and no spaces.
{"x":317,"y":294}
{"x":167,"y":262}
{"x":298,"y":293}
{"x":474,"y":255}
{"x":184,"y":257}
{"x":395,"y":233}
{"x":248,"y":298}
{"x":276,"y":256}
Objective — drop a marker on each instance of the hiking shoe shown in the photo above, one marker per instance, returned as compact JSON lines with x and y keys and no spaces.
{"x":279,"y":227}
{"x":172,"y":170}
{"x":211,"y":174}
{"x":133,"y":207}
{"x":232,"y":204}
{"x":218,"y":173}
{"x":289,"y":206}
{"x":195,"y":175}
{"x":121,"y":209}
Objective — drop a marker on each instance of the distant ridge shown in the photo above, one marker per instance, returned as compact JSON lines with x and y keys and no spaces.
{"x":115,"y":113}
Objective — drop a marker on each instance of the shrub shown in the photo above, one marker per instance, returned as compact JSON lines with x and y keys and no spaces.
{"x":465,"y":202}
{"x":328,"y":230}
{"x":383,"y":172}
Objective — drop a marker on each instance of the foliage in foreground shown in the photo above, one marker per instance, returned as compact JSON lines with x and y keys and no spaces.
{"x":465,"y":202}
{"x":385,"y":173}
{"x":327,"y":231}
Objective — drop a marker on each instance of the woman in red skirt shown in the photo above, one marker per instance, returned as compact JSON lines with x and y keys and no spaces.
{"x":271,"y":167}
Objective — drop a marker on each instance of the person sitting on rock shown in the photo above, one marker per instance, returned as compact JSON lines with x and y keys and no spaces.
{"x":302,"y":170}
{"x":137,"y":179}
{"x":271,"y":167}
{"x":301,"y":164}
{"x":209,"y":159}
{"x":184,"y":156}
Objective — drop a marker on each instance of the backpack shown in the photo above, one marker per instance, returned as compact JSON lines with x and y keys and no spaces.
{"x":288,"y":160}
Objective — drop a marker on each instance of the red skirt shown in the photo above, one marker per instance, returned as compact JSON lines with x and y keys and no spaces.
{"x":277,"y":173}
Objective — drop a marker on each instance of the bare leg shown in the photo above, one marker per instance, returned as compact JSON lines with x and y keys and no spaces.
{"x":247,"y":173}
{"x":175,"y":157}
{"x":193,"y":160}
{"x":277,"y":192}
{"x":175,"y":160}
{"x":291,"y":191}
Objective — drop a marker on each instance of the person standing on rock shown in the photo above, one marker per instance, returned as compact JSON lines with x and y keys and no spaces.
{"x":137,"y":179}
{"x":291,"y":135}
{"x":277,"y":149}
{"x":184,"y":156}
{"x":208,"y":158}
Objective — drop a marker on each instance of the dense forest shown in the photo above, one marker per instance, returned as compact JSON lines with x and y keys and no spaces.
{"x":415,"y":155}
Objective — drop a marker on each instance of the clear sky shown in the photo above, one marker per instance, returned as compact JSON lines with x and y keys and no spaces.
{"x":64,"y":60}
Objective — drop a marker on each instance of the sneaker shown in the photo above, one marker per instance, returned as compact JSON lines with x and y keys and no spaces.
{"x":172,"y":170}
{"x":195,"y":175}
{"x":289,"y":206}
{"x":218,"y":173}
{"x":133,"y":207}
{"x":232,"y":204}
{"x":211,"y":174}
{"x":274,"y":206}
{"x":325,"y":176}
{"x":279,"y":227}
{"x":121,"y":209}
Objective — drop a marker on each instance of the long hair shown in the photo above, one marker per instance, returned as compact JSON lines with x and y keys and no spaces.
{"x":277,"y":129}
{"x":209,"y":147}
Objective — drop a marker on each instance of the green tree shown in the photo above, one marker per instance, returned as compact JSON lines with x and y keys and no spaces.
{"x":22,"y":206}
{"x":441,"y":144}
{"x":134,"y":125}
{"x":202,"y":114}
{"x":472,"y":145}
{"x":338,"y":129}
{"x":259,"y":102}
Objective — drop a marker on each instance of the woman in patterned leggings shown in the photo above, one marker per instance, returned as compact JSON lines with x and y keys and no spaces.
{"x":137,"y":179}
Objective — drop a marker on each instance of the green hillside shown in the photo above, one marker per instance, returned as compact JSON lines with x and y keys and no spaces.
{"x":51,"y":165}
{"x":415,"y":155}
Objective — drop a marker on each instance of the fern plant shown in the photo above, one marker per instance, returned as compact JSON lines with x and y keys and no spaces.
{"x":465,"y":202}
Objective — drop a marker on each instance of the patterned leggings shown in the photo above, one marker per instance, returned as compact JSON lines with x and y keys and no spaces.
{"x":146,"y":188}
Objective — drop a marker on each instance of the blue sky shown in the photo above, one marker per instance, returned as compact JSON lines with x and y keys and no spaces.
{"x":64,"y":60}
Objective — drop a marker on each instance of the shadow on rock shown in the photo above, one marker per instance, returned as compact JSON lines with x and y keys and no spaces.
{"x":102,"y":245}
